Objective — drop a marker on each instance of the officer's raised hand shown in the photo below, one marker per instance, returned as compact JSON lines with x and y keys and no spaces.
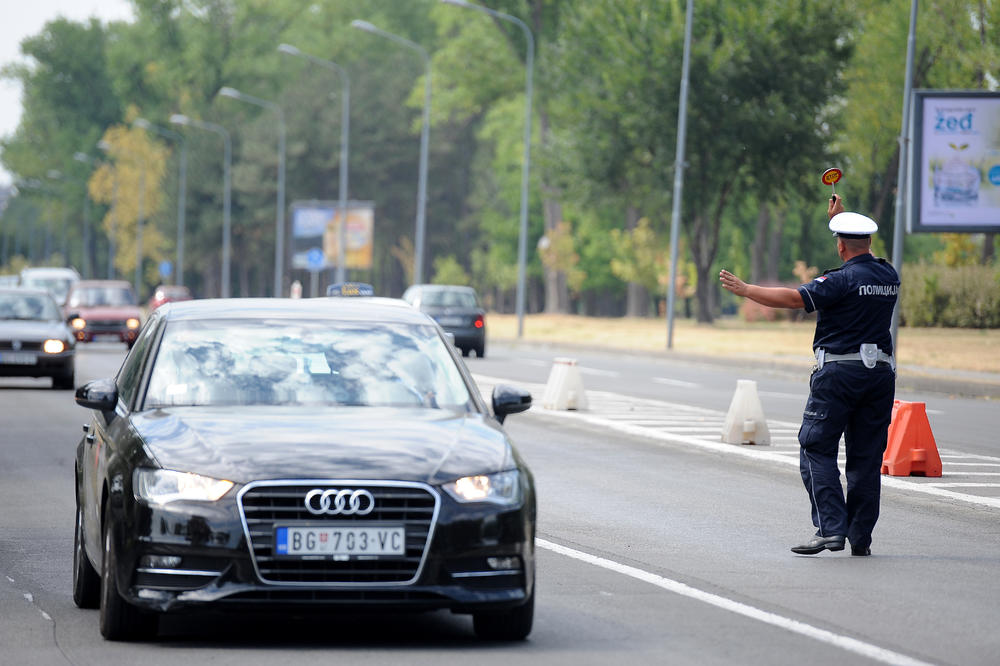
{"x":835,"y":206}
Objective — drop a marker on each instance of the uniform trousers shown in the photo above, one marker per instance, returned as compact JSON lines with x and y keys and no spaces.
{"x":846,"y":398}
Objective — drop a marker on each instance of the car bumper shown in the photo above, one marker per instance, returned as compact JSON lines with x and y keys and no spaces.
{"x":126,"y":335}
{"x":467,"y":337}
{"x":45,"y":365}
{"x":217,"y":571}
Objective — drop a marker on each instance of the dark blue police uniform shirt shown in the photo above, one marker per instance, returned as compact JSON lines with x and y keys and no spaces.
{"x":854,"y":305}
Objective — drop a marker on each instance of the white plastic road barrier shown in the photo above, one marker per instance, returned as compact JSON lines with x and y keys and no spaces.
{"x":564,"y":390}
{"x":745,"y":423}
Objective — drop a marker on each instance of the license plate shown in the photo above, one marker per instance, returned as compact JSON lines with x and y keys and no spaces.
{"x":378,"y":541}
{"x":17,"y":358}
{"x":451,"y":321}
{"x":107,"y":337}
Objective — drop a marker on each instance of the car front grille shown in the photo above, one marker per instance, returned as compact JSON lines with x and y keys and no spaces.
{"x":105,"y":325}
{"x":268,"y":504}
{"x":8,"y":345}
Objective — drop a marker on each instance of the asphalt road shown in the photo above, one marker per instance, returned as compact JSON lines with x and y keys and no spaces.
{"x":652,"y":549}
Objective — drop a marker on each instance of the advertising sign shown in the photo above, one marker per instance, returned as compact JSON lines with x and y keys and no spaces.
{"x":955,"y":168}
{"x":316,"y":232}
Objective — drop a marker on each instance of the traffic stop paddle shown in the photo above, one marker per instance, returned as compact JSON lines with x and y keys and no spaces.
{"x":831,"y":177}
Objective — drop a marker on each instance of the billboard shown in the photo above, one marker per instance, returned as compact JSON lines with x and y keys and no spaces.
{"x":955,"y":162}
{"x":316,"y":234}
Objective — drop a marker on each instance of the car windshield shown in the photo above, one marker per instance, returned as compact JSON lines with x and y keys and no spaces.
{"x":88,"y":297}
{"x":282,"y":362}
{"x":448,"y":298}
{"x":27,"y":306}
{"x":57,"y":286}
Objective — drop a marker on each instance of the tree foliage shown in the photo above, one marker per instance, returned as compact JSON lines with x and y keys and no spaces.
{"x":778,"y":91}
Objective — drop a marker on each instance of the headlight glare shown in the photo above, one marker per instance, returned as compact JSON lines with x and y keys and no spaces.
{"x":53,"y":346}
{"x":159,"y":486}
{"x":78,"y":323}
{"x":132,"y":322}
{"x":499,"y":488}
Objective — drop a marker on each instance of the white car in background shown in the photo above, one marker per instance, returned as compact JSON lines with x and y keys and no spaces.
{"x":57,"y":281}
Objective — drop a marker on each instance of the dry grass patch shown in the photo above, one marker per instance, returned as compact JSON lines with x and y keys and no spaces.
{"x":950,"y":349}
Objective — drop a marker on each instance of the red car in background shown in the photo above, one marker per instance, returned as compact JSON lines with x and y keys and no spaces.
{"x":168,"y":293}
{"x":103,"y":310}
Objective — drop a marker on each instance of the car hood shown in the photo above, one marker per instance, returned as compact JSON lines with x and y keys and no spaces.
{"x":244,"y":444}
{"x":34,"y":330}
{"x":107,"y":312}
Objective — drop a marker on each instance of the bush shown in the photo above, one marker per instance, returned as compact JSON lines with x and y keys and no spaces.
{"x":951,"y":297}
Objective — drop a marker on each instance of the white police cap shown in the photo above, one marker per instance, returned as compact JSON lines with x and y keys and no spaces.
{"x":852,"y":224}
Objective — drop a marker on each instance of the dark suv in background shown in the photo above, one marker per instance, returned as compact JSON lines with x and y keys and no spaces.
{"x":456,"y":309}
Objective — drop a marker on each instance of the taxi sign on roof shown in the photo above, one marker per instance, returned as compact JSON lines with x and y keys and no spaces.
{"x":350,"y":289}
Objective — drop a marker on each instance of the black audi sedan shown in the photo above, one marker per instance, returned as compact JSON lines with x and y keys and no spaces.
{"x":320,"y":455}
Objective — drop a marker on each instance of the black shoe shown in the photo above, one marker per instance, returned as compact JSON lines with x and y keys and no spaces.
{"x":861,"y":551}
{"x":819,"y":544}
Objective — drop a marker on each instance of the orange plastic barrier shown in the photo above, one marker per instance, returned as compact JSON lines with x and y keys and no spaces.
{"x":911,"y":450}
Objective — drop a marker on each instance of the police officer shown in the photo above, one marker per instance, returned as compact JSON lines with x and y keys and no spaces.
{"x":853,"y":383}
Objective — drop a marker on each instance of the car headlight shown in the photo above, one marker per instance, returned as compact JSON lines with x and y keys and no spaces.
{"x":499,"y":488}
{"x":53,"y":346}
{"x":159,"y":486}
{"x":132,"y":322}
{"x":78,"y":323}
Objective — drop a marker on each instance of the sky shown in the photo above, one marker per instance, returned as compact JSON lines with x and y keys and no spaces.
{"x":25,"y":18}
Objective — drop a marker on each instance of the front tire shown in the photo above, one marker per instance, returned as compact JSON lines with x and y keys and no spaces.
{"x":86,"y":581}
{"x":120,"y":621}
{"x":64,"y":382}
{"x":509,"y":625}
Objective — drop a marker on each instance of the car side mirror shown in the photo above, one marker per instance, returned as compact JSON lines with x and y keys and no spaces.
{"x":100,"y":394}
{"x":509,"y":400}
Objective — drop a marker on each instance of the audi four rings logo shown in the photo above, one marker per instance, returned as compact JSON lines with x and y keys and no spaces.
{"x":339,"y":502}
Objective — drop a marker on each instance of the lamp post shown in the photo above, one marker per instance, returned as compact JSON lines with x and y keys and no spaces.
{"x":345,"y":125}
{"x":279,"y":244}
{"x":181,"y":187}
{"x":418,"y":260}
{"x":87,"y":242}
{"x":137,"y":280}
{"x":56,"y":175}
{"x":227,"y":158}
{"x":522,"y":241}
{"x":679,"y":172}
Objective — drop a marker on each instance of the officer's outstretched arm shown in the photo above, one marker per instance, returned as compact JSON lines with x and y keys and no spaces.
{"x":772,"y":297}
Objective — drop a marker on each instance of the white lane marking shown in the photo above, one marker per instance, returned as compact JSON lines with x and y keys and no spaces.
{"x":955,"y":464}
{"x":535,"y":362}
{"x":674,"y":382}
{"x":843,"y":642}
{"x":975,"y":473}
{"x":710,"y":443}
{"x":600,"y":373}
{"x":787,"y":396}
{"x":963,"y":485}
{"x":969,"y":456}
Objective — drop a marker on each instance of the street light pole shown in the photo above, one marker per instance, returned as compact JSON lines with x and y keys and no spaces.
{"x":421,"y":224}
{"x":181,"y":187}
{"x":679,"y":173}
{"x":279,"y":245}
{"x":88,"y":254}
{"x":227,"y":158}
{"x":345,"y":125}
{"x":522,"y":241}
